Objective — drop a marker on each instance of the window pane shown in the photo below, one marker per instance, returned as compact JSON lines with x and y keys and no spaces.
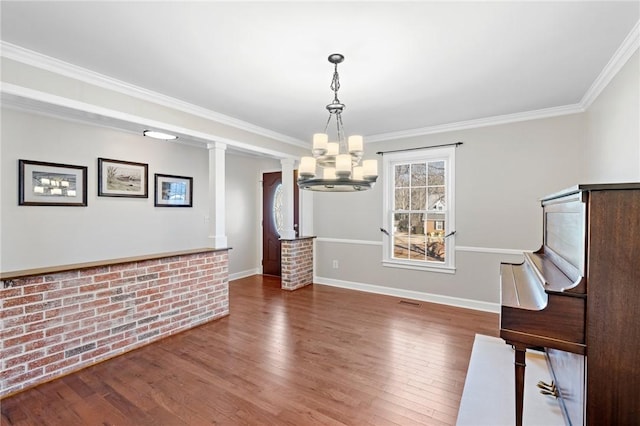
{"x":436,"y":173}
{"x":402,"y":199}
{"x":417,"y":242}
{"x":401,"y":235}
{"x":436,"y":198}
{"x":418,"y":174}
{"x":418,"y":198}
{"x":278,"y":214}
{"x":402,"y":175}
{"x":435,"y":249}
{"x":436,"y":227}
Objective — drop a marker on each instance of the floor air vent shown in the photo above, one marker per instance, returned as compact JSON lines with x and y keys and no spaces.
{"x":408,"y":303}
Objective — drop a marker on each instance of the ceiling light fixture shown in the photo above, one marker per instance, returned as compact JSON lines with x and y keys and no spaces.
{"x":159,"y":135}
{"x":337,"y":164}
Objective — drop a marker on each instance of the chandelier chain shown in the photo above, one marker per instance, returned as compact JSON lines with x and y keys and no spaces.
{"x":335,"y":84}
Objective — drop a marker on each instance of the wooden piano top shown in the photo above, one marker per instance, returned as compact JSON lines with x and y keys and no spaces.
{"x":538,"y":307}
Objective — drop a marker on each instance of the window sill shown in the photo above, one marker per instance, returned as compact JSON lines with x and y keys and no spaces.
{"x":412,"y":266}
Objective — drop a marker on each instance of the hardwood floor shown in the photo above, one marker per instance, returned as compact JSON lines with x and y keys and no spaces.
{"x":318,"y":355}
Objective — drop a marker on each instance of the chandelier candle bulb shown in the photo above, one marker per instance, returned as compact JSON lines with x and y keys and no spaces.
{"x":329,"y":173}
{"x":370,"y":169}
{"x":333,"y":148}
{"x":358,"y":173}
{"x":355,"y":144}
{"x":307,"y":167}
{"x":343,"y":165}
{"x":320,"y":141}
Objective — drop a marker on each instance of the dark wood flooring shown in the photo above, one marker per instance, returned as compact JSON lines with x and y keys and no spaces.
{"x":318,"y":355}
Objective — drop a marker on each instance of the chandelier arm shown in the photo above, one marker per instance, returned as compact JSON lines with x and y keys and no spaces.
{"x":326,"y":126}
{"x":341,"y":133}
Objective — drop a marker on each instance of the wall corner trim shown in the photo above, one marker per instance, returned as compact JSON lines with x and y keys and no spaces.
{"x":628,"y":47}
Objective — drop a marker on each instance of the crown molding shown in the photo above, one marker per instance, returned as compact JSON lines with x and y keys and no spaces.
{"x":27,"y":99}
{"x":628,"y":47}
{"x":47,"y":63}
{"x":617,"y":61}
{"x":480,"y":122}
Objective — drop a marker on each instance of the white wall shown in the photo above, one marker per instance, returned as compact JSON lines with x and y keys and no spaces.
{"x":108,"y":228}
{"x":613,"y":129}
{"x":244,"y":210}
{"x":501,"y":173}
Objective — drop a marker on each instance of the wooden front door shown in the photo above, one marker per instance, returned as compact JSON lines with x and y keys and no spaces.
{"x":272,"y":220}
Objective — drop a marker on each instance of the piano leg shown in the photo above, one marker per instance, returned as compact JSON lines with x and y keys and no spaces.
{"x":520,"y":365}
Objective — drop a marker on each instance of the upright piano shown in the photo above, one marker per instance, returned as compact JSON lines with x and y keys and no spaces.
{"x":578,"y":299}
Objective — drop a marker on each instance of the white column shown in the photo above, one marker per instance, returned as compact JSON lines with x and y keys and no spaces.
{"x":217,"y":202}
{"x":288,"y":232}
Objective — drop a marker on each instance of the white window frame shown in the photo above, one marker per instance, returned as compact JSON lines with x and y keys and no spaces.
{"x":389,"y":161}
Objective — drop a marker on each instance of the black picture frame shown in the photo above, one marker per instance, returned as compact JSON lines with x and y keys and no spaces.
{"x":173,"y":191}
{"x":118,"y":178}
{"x":42,"y":183}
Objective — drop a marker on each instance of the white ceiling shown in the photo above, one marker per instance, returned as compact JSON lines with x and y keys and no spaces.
{"x":409,"y":65}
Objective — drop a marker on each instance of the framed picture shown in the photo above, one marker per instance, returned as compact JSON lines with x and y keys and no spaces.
{"x":51,"y":184}
{"x":173,"y":191}
{"x":122,"y":179}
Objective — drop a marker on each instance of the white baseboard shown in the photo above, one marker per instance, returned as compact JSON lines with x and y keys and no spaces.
{"x":410,"y":294}
{"x":244,"y":274}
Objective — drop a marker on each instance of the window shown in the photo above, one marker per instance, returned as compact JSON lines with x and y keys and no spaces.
{"x":419,"y":209}
{"x":278,"y":214}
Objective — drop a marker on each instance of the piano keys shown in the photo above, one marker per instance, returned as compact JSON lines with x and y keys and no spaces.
{"x":578,"y":297}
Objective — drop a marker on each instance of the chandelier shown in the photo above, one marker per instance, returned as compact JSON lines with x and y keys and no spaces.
{"x":337,"y":165}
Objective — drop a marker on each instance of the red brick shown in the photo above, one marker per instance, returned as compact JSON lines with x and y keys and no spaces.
{"x":23,"y":358}
{"x":41,"y":362}
{"x":109,"y":308}
{"x":39,"y":288}
{"x":94,"y":337}
{"x":21,"y":300}
{"x":61,"y":329}
{"x":123,"y":343}
{"x":62,"y":365}
{"x":80,"y":332}
{"x":6,"y":373}
{"x":92,"y":355}
{"x":148,"y":263}
{"x":42,"y":343}
{"x":61,"y":276}
{"x":93,"y":287}
{"x":22,"y":339}
{"x":59,"y":294}
{"x":110,"y":276}
{"x":63,"y":346}
{"x":41,"y":325}
{"x":76,"y":282}
{"x":94,"y":271}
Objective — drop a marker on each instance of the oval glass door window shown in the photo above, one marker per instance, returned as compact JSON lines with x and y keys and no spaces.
{"x":277,"y":209}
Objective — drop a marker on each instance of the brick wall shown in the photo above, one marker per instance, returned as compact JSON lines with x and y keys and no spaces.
{"x":297,"y":263}
{"x":57,"y":323}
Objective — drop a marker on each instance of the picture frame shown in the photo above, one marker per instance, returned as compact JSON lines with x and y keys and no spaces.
{"x":42,"y":183}
{"x":118,"y":178}
{"x":173,"y":191}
